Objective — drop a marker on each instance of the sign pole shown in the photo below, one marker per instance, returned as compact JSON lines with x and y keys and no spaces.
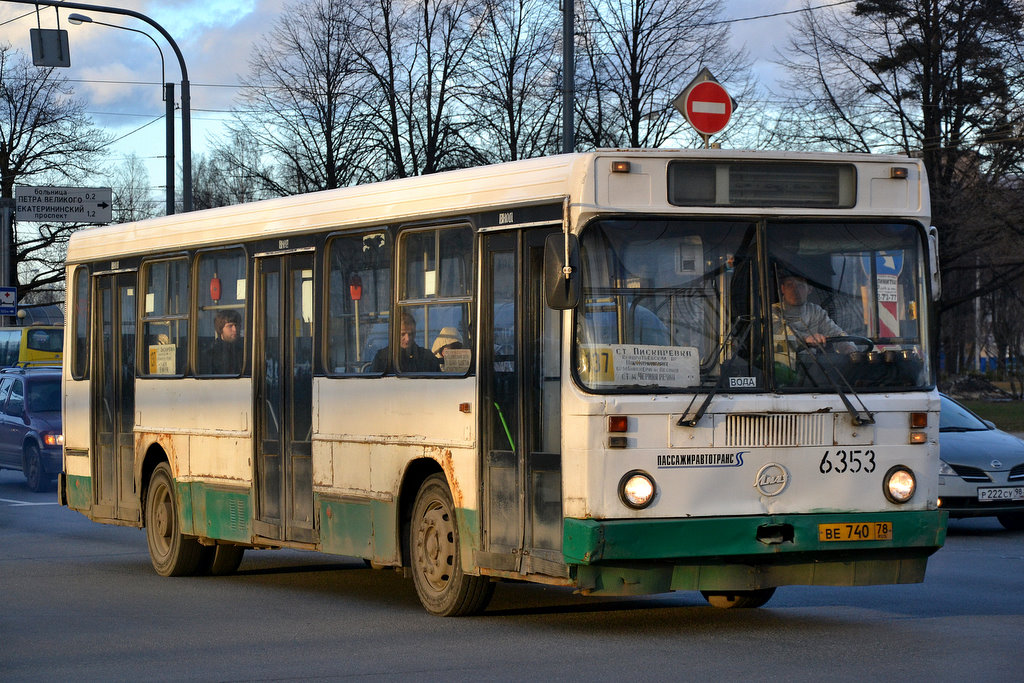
{"x":169,"y":116}
{"x":6,"y":239}
{"x":568,"y":76}
{"x":7,"y":219}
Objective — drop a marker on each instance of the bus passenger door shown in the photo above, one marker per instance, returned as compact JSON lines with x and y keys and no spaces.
{"x":520,"y":408}
{"x":113,"y":386}
{"x":283,"y":378}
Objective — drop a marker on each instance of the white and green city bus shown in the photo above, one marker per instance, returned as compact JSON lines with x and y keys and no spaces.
{"x":599,"y":399}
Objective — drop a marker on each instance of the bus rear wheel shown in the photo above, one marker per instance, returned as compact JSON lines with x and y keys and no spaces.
{"x":171,"y":553}
{"x":443,"y":588}
{"x":738,"y":599}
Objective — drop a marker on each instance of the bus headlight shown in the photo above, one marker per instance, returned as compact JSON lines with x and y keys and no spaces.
{"x":899,"y":484}
{"x":636,"y":489}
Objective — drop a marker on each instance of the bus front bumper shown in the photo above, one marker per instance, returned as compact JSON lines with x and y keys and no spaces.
{"x":635,"y":557}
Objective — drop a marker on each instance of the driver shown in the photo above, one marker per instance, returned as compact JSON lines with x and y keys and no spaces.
{"x":794,"y":317}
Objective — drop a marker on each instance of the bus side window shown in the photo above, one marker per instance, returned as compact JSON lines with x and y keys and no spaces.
{"x":436,"y":276}
{"x":165,"y":317}
{"x":358,"y":302}
{"x":221,"y":312}
{"x":80,"y":323}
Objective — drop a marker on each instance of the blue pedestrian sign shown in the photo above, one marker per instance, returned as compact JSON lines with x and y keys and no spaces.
{"x":8,"y":300}
{"x":886,"y":263}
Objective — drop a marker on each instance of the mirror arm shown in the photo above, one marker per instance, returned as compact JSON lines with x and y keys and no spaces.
{"x":566,"y":269}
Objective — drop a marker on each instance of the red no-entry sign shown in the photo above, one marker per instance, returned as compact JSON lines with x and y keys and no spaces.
{"x":707,"y":107}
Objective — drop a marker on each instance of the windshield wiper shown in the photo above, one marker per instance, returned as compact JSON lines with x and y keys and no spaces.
{"x":859,"y":418}
{"x":692,"y":422}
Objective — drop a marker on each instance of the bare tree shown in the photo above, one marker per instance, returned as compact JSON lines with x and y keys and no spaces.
{"x":45,"y":137}
{"x":235,"y":172}
{"x":940,"y":79}
{"x":637,"y":56}
{"x":298,"y":104}
{"x":132,"y":198}
{"x":415,"y":57}
{"x":516,"y":93}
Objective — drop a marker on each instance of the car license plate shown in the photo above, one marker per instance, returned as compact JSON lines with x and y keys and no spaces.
{"x":856,"y":531}
{"x":1001,"y":493}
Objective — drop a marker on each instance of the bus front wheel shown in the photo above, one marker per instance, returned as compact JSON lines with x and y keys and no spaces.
{"x":442,"y":586}
{"x":171,"y":553}
{"x":738,"y":599}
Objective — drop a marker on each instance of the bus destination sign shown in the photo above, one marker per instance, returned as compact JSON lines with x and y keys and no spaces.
{"x":63,"y":204}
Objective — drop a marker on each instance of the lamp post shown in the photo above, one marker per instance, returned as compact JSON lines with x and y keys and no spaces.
{"x":167,"y":93}
{"x":568,"y":76}
{"x":186,"y":106}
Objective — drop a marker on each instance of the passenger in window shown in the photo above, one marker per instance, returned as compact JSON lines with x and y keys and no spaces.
{"x":794,"y":316}
{"x":228,"y":352}
{"x":411,"y":356}
{"x":447,"y":340}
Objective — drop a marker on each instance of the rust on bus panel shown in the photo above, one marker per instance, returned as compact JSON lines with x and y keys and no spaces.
{"x":146,"y":440}
{"x":444,"y":457}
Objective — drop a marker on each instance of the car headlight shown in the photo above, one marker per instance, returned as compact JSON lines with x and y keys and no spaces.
{"x":945,"y":470}
{"x":636,"y":489}
{"x":53,"y":439}
{"x":899,"y":484}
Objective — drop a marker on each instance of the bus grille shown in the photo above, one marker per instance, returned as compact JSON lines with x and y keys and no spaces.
{"x":778,"y":430}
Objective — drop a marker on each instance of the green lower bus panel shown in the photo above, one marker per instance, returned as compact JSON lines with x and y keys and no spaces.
{"x":633,"y":557}
{"x":217,"y":512}
{"x":79,"y":493}
{"x":346,"y":528}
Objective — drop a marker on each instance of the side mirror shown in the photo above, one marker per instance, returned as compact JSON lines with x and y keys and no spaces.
{"x":562,"y":288}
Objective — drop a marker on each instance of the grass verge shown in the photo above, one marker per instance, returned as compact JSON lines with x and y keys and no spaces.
{"x":1008,"y":415}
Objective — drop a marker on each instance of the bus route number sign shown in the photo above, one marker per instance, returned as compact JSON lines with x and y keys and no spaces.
{"x":855,"y":531}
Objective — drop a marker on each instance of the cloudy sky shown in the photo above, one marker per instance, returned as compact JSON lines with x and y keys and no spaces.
{"x":117,"y":72}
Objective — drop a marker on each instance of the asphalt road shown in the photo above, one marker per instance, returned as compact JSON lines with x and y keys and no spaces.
{"x":80,"y":602}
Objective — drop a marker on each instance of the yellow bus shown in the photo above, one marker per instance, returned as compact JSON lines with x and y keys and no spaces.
{"x":582,"y":370}
{"x":33,"y":345}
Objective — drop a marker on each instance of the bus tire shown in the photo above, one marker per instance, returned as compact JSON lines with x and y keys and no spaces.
{"x":34,"y":475}
{"x":224,"y":559}
{"x":738,"y":599}
{"x":171,"y":553}
{"x":1013,"y":521}
{"x":443,"y":588}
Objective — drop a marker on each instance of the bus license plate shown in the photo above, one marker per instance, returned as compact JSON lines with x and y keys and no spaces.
{"x":857,"y":531}
{"x":1001,"y":493}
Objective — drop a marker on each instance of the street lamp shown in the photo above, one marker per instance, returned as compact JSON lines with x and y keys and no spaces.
{"x":167,"y":94}
{"x":186,"y":97}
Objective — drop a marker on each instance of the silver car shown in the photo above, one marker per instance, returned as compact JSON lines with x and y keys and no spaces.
{"x":981,"y":469}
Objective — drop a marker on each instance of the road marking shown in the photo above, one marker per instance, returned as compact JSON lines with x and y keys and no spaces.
{"x":22,"y":503}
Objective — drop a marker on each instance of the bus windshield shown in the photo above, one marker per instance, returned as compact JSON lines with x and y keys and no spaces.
{"x":677,"y":305}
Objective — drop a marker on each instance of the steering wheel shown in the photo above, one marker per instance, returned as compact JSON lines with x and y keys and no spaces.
{"x":862,"y":344}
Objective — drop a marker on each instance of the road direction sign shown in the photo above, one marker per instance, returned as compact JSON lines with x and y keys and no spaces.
{"x":705,"y":104}
{"x":8,"y":301}
{"x":63,"y":204}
